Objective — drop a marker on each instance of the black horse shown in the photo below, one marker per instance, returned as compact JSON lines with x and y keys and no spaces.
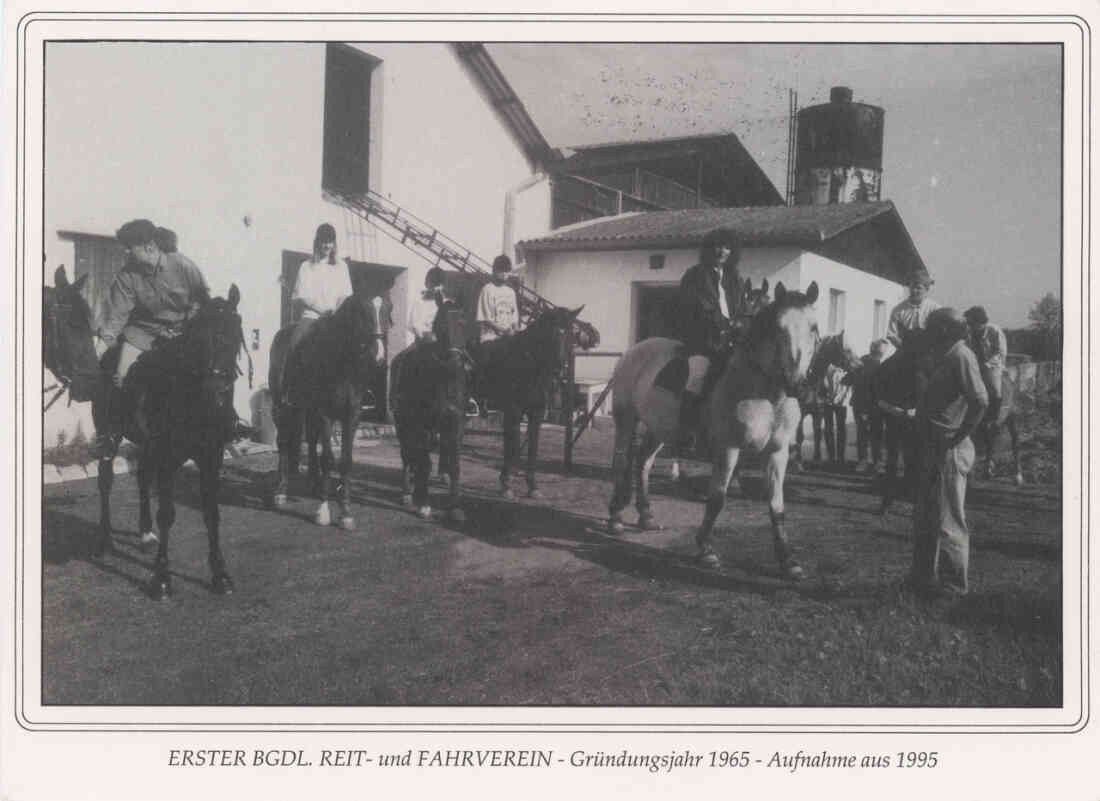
{"x":429,"y":390}
{"x":178,"y":405}
{"x":338,"y":360}
{"x":517,"y":374}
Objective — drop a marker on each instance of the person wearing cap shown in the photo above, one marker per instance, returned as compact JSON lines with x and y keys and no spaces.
{"x":948,"y":413}
{"x":497,"y":305}
{"x":911,"y":313}
{"x":151,"y":297}
{"x":708,"y":300}
{"x":424,"y":308}
{"x":989,"y":344}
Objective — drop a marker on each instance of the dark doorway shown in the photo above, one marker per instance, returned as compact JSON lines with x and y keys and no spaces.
{"x":656,"y":315}
{"x":374,"y":281}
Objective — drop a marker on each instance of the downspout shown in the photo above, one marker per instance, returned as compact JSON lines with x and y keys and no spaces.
{"x":509,"y":239}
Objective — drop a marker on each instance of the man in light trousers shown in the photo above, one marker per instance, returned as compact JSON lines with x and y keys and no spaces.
{"x":948,"y":413}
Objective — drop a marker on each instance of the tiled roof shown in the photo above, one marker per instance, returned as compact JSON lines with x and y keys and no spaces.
{"x":805,"y":226}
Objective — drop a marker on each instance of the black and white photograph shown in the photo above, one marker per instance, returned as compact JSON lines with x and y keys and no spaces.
{"x":695,"y":400}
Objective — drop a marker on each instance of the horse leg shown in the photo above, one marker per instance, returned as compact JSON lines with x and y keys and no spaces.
{"x":721,"y":473}
{"x":815,"y":417}
{"x":890,"y":474}
{"x":647,"y":455}
{"x":166,"y":516}
{"x":511,"y":448}
{"x":1014,"y":434}
{"x":106,"y":480}
{"x":289,"y":421}
{"x":450,"y":443}
{"x":534,"y":425}
{"x":777,"y":469}
{"x":347,"y":443}
{"x":314,"y":424}
{"x":621,"y":469}
{"x":406,"y":467}
{"x":322,"y":428}
{"x":421,"y":473}
{"x":145,"y":516}
{"x":209,"y":471}
{"x":799,"y":439}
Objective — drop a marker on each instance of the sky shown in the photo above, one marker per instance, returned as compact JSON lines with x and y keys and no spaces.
{"x":972,"y":149}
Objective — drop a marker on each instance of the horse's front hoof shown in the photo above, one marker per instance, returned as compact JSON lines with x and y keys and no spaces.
{"x":149,"y":540}
{"x":792,"y":571}
{"x":279,"y":501}
{"x":709,"y":559}
{"x":507,"y":494}
{"x":456,"y":515}
{"x":323,"y":517}
{"x":222,"y":585}
{"x":347,"y":523}
{"x":160,"y":589}
{"x":615,"y":527}
{"x":407,"y":501}
{"x":535,"y":494}
{"x":649,"y":523}
{"x":1019,"y":480}
{"x":424,"y":513}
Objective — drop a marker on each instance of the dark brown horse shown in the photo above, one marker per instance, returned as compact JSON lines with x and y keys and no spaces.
{"x":339,"y":360}
{"x":178,"y":405}
{"x":517,"y":375}
{"x":429,"y":390}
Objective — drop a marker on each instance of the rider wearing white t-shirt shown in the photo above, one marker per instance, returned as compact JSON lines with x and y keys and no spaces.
{"x":497,"y":305}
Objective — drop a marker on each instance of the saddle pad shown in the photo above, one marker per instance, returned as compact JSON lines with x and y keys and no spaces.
{"x":673,"y":376}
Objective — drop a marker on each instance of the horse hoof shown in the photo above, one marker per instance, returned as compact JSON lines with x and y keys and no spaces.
{"x":793,"y":572}
{"x":648,"y":523}
{"x":279,"y":500}
{"x":223,"y":585}
{"x":347,"y":523}
{"x":1019,"y":479}
{"x":424,"y":513}
{"x":709,"y":558}
{"x":323,"y":517}
{"x":456,"y":516}
{"x":149,"y":540}
{"x":407,"y":500}
{"x":615,"y":528}
{"x":535,"y":494}
{"x":160,"y":589}
{"x":507,"y":494}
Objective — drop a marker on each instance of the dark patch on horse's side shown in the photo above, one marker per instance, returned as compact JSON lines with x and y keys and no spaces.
{"x":673,"y":376}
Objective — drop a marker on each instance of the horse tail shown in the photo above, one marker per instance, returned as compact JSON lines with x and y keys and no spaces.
{"x":278,"y":362}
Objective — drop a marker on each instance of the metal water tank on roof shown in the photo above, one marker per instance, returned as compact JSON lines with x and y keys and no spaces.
{"x":839,"y":151}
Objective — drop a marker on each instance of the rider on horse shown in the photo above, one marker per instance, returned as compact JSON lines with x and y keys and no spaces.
{"x":709,"y":298}
{"x":150,"y":299}
{"x":988,"y":342}
{"x":323,"y":283}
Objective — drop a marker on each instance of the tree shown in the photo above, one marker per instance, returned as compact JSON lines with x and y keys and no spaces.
{"x":1046,"y":314}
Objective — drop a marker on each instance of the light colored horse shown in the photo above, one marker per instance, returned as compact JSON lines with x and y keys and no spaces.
{"x":753,"y":406}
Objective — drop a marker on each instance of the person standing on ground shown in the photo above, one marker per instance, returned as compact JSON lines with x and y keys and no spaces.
{"x":948,"y":412}
{"x":989,"y":344}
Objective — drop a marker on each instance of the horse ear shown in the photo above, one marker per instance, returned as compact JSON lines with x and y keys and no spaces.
{"x":576,"y":312}
{"x":79,"y":285}
{"x":764,"y":287}
{"x":234,"y":296}
{"x":781,"y":291}
{"x":60,"y":279}
{"x":811,"y":293}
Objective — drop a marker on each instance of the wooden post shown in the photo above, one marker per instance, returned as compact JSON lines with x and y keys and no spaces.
{"x":567,"y":401}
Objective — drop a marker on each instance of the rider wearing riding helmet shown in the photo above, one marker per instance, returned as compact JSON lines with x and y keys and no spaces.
{"x":152,"y":296}
{"x":708,"y":300}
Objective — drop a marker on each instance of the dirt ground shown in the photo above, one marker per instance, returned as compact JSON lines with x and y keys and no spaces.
{"x":529,"y":602}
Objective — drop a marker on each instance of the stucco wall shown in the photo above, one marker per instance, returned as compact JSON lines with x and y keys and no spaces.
{"x":861,"y":291}
{"x":198,"y":136}
{"x":606,"y":282}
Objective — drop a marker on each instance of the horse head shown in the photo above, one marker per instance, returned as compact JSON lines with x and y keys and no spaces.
{"x":211,"y":342}
{"x":67,"y":346}
{"x":754,"y":301}
{"x":550,"y":334}
{"x":357,"y":326}
{"x":783,"y":337}
{"x":833,"y":350}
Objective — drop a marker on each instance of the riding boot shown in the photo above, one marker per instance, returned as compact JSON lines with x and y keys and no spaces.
{"x":688,"y":424}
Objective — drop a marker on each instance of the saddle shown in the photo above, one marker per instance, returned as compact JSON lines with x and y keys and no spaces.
{"x":673,"y":376}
